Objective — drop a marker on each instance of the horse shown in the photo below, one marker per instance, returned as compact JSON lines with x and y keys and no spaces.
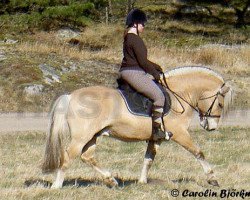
{"x":79,"y":118}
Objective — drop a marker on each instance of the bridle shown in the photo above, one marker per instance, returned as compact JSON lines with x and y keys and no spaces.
{"x":201,"y":114}
{"x":208,"y":113}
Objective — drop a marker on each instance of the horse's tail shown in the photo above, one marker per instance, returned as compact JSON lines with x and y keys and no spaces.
{"x":58,"y":129}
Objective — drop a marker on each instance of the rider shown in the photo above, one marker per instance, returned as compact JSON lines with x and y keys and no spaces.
{"x":135,"y":66}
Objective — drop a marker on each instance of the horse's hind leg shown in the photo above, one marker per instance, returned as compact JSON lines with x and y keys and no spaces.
{"x":148,"y":160}
{"x":73,"y":150}
{"x":88,"y":156}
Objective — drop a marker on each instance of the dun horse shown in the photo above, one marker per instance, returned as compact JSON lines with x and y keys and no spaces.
{"x":79,"y":118}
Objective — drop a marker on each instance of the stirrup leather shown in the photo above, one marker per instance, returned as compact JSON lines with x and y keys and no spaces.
{"x":158,"y":129}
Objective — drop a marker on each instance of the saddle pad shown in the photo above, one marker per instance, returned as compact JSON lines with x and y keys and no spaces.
{"x":140,"y":105}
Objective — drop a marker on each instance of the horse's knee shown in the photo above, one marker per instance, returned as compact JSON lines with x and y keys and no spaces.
{"x":200,"y":155}
{"x":89,"y":159}
{"x":88,"y":152}
{"x":88,"y":156}
{"x":66,"y":161}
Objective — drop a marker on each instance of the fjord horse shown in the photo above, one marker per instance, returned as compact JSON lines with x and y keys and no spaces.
{"x":79,"y":118}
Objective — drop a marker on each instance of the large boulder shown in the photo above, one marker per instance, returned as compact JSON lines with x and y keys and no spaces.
{"x":67,"y":33}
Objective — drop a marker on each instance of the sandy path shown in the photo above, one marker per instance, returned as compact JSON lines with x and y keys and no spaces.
{"x":12,"y":122}
{"x":16,"y":122}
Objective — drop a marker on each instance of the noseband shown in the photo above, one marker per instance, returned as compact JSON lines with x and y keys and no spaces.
{"x":208,"y":113}
{"x":201,"y":114}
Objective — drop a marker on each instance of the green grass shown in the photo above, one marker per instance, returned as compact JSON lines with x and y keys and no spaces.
{"x":174,"y":168}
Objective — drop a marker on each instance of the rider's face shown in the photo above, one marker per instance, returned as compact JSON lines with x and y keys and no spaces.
{"x":141,"y":27}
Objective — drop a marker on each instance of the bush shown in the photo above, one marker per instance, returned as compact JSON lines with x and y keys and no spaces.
{"x":75,"y":14}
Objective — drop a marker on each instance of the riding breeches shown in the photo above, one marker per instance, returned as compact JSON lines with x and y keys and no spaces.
{"x":140,"y":81}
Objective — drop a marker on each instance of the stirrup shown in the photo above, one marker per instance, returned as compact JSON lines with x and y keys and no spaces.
{"x":168,"y":135}
{"x":158,"y":134}
{"x":162,"y":136}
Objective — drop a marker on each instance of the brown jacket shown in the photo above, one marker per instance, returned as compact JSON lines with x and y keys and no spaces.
{"x":135,"y":55}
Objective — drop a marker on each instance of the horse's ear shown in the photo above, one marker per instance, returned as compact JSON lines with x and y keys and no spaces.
{"x":224,"y":89}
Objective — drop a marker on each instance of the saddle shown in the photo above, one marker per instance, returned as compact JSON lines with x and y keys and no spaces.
{"x":137,"y":103}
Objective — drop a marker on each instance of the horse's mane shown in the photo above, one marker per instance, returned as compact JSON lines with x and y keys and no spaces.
{"x":179,"y":71}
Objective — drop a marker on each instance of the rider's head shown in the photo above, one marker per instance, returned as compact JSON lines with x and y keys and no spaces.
{"x":136,"y":19}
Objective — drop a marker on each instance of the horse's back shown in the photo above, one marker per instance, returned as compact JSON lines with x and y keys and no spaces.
{"x":97,"y":101}
{"x":93,"y":89}
{"x":95,"y":93}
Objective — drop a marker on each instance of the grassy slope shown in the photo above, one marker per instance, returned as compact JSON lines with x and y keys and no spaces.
{"x":100,"y":55}
{"x":171,"y":43}
{"x":227,"y":150}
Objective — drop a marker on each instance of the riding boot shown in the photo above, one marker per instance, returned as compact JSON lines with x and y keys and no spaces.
{"x":157,"y":125}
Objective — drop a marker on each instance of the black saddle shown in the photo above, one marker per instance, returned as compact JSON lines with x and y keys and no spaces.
{"x":137,"y":103}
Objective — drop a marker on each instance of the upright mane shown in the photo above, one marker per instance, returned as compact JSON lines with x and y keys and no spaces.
{"x":179,"y":71}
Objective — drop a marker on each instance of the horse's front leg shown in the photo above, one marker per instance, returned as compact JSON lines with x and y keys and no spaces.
{"x":148,"y":160}
{"x":184,"y":139}
{"x":207,"y":169}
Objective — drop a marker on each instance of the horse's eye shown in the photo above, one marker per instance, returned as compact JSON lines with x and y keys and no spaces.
{"x":220,"y":105}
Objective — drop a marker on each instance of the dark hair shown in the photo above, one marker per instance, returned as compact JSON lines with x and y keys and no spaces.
{"x":135,"y":16}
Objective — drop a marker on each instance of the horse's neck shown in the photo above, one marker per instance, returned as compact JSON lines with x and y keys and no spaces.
{"x":190,"y":88}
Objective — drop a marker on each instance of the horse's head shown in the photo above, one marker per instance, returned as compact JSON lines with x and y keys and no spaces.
{"x":212,"y":106}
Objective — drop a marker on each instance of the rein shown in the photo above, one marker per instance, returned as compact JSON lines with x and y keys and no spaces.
{"x":202,"y":115}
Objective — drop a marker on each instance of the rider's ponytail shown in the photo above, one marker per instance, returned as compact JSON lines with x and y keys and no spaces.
{"x":125,"y":33}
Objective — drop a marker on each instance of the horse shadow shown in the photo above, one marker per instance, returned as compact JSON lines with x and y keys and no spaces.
{"x":80,"y":182}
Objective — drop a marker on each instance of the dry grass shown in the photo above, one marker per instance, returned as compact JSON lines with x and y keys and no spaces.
{"x":101,"y":43}
{"x":174,"y":167}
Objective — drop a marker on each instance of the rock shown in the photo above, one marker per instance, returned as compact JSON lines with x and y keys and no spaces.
{"x":67,"y":33}
{"x":10,"y":41}
{"x":35,"y":89}
{"x":65,"y":70}
{"x":73,"y":67}
{"x":49,"y":74}
{"x":69,"y":68}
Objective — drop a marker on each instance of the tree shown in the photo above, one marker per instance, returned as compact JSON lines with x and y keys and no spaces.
{"x":240,"y":7}
{"x":130,"y":5}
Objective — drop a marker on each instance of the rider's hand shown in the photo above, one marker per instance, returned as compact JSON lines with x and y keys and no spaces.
{"x":158,"y":68}
{"x":157,"y":76}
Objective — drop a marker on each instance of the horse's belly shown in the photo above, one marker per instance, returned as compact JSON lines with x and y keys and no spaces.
{"x":133,"y":128}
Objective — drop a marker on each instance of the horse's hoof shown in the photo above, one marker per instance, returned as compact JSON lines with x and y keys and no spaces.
{"x":170,"y":134}
{"x":142,"y":181}
{"x":213,"y":183}
{"x":112,"y":182}
{"x":54,"y":186}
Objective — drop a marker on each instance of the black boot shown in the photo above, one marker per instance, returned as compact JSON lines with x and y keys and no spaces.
{"x":157,"y":125}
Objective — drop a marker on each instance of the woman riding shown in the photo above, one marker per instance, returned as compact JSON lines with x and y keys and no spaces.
{"x":135,"y":67}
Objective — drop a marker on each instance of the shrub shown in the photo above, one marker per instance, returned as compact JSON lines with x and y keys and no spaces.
{"x":72,"y":11}
{"x":75,"y":13}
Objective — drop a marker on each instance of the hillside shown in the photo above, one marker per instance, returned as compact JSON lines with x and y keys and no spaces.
{"x":38,"y":64}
